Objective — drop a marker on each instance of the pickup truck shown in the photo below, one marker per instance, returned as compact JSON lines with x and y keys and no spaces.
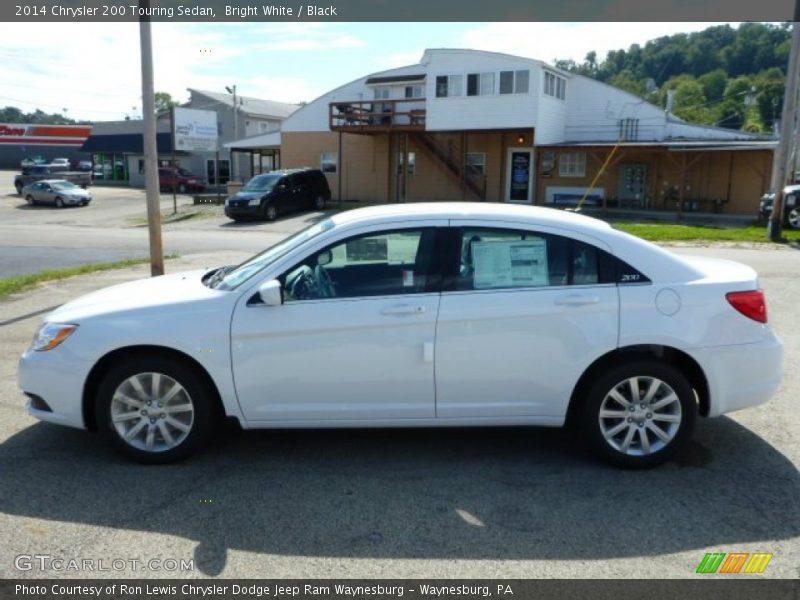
{"x":39,"y":172}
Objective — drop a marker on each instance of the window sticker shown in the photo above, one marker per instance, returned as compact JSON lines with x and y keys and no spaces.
{"x":510,"y":264}
{"x":408,"y":278}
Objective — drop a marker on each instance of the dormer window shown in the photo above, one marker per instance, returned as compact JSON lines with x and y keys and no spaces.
{"x":555,"y":85}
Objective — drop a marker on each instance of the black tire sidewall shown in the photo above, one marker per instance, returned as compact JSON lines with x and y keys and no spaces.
{"x":59,"y":203}
{"x":204,"y":407}
{"x":267,"y":216}
{"x":319,"y":203}
{"x":597,"y":392}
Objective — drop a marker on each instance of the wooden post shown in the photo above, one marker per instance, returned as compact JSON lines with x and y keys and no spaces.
{"x":340,"y":173}
{"x":404,"y":187}
{"x":174,"y":166}
{"x":463,"y":166}
{"x":389,"y":167}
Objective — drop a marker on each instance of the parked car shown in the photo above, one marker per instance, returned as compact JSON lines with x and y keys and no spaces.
{"x":60,"y":162}
{"x":181,"y":179}
{"x":42,"y":172}
{"x":271,"y":194}
{"x":58,"y":192}
{"x":791,"y":206}
{"x":82,"y":165}
{"x":417,"y":315}
{"x":34,"y":160}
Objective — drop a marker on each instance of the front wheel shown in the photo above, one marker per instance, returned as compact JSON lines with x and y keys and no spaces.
{"x":155,"y":410}
{"x":18,"y":188}
{"x":29,"y":199}
{"x":270,"y":212}
{"x":59,"y":203}
{"x":319,"y":203}
{"x":640,"y":414}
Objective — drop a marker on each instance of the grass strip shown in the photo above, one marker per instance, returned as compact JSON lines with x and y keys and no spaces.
{"x":20,"y":283}
{"x":666,"y":232}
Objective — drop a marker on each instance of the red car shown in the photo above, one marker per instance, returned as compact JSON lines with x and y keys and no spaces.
{"x":181,"y":179}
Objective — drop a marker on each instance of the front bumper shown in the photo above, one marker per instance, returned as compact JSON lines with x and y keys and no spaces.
{"x":242,"y":211}
{"x":57,"y":377}
{"x":76,"y":201}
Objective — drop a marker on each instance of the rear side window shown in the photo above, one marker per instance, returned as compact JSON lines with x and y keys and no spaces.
{"x":505,"y":258}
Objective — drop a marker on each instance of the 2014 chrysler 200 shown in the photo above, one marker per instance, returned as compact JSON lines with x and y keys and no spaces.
{"x":415,"y":316}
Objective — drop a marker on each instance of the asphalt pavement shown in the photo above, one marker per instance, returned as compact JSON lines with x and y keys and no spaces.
{"x":496,"y":502}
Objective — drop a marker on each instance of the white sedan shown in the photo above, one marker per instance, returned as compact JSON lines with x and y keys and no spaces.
{"x":420,"y":315}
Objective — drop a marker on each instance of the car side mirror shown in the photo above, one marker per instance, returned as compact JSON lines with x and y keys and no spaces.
{"x":270,"y":293}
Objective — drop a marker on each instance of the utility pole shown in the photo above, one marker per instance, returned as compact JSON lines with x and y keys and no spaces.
{"x":150,"y":149}
{"x":232,"y":90}
{"x":783,"y":161}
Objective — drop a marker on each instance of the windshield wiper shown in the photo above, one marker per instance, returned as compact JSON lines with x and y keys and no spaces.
{"x":213,"y":279}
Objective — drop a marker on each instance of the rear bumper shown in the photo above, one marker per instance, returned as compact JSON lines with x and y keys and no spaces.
{"x":742,"y":375}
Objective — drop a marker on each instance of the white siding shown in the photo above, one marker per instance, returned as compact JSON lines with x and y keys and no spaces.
{"x":480,"y":112}
{"x":552,"y":120}
{"x":594,"y":110}
{"x":314,"y":116}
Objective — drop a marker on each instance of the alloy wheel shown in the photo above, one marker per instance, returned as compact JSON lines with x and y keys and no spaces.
{"x":152,"y":412}
{"x":640,"y":416}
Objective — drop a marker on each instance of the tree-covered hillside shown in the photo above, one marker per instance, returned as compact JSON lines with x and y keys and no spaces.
{"x":731,"y":77}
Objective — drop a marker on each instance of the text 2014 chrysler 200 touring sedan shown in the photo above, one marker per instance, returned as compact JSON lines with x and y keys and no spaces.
{"x":417,"y":315}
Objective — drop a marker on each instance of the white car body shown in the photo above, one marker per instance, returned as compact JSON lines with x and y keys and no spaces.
{"x":481,"y":357}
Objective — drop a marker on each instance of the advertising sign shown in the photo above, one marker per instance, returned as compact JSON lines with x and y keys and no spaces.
{"x":196,"y":130}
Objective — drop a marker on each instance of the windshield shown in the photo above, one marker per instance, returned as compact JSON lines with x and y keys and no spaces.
{"x":261,"y":183}
{"x":64,"y":185}
{"x":184,"y":173}
{"x":238,"y":275}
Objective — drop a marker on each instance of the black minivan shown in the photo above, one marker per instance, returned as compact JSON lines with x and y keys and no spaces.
{"x":271,"y":194}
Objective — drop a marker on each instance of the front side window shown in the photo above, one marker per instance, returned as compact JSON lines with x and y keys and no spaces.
{"x":375,"y":264}
{"x":506,"y":258}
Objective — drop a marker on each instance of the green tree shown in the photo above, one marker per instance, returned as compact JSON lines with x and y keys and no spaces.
{"x":714,"y":83}
{"x":164,"y":102}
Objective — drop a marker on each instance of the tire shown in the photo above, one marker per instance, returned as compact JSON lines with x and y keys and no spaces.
{"x":162,"y":435}
{"x":19,"y":188}
{"x":270,"y":212}
{"x":319,"y":203}
{"x":617,"y":436}
{"x":793,"y":218}
{"x":59,"y":203}
{"x":29,"y":199}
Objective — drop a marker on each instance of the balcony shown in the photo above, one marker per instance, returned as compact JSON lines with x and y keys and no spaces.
{"x":377,"y":116}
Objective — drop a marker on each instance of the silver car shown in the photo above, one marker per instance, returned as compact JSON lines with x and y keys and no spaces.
{"x":56,"y":191}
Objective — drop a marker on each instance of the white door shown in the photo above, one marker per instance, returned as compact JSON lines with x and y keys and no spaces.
{"x":353,"y":339}
{"x":520,"y":175}
{"x":529,"y":314}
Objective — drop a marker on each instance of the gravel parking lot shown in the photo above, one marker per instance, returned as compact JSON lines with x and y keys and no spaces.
{"x":523,"y":502}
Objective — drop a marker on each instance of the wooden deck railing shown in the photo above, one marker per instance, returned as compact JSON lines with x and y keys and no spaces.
{"x":365,"y":116}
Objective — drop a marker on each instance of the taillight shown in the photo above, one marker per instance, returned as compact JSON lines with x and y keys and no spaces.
{"x":751,"y":304}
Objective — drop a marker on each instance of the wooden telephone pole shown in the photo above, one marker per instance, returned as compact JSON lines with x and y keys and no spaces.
{"x":783,"y":161}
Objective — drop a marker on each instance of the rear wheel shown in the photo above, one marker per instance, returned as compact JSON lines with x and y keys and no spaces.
{"x":155,"y":410}
{"x":793,"y":218}
{"x":59,"y":203}
{"x":639,"y":414}
{"x":19,"y":188}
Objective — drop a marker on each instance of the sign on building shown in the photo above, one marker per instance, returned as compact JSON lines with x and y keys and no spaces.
{"x":196,"y":130}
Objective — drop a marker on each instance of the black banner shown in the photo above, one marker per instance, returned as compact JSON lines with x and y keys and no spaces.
{"x":734,"y":588}
{"x":386,"y":10}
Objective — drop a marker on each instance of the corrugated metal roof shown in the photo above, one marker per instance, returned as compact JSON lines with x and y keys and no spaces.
{"x":252,"y":106}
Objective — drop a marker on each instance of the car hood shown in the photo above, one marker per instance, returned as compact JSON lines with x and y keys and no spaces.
{"x":167,"y":293}
{"x":247,"y":195}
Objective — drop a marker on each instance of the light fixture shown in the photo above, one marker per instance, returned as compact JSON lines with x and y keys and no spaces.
{"x":520,"y":139}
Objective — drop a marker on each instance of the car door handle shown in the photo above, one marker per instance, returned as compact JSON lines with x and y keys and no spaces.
{"x":403,"y":309}
{"x":577,"y":300}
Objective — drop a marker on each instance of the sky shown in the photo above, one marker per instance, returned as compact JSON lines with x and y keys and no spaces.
{"x":95,"y":74}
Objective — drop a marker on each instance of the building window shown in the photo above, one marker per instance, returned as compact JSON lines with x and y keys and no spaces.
{"x":572,"y":165}
{"x":480,"y":84}
{"x":413,"y":91}
{"x":382,"y":92}
{"x":141,"y":166}
{"x":476,"y":163}
{"x":412,"y":164}
{"x":628,"y":130}
{"x":555,"y":86}
{"x":328,"y":162}
{"x":449,"y":86}
{"x":514,"y":82}
{"x":265,"y":127}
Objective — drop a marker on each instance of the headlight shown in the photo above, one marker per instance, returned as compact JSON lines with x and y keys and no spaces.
{"x":254,"y":202}
{"x":51,"y":335}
